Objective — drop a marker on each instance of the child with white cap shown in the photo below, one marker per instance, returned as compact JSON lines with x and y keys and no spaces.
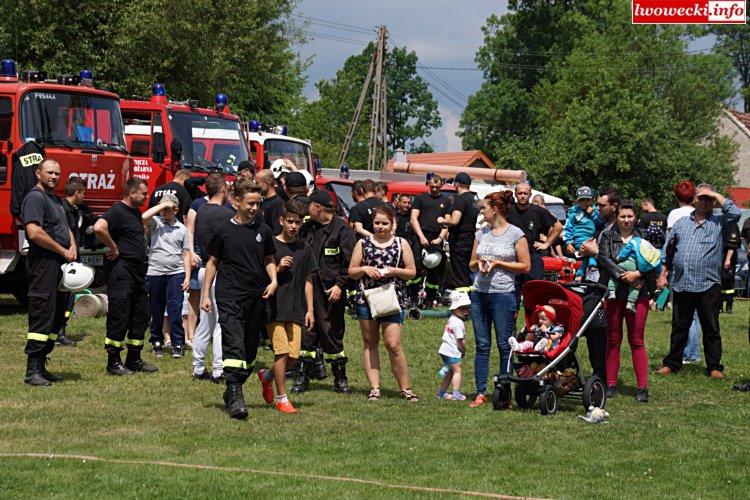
{"x":453,"y":347}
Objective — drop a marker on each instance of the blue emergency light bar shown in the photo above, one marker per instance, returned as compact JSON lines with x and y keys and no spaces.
{"x":159,"y":89}
{"x":86,"y":74}
{"x":8,"y":68}
{"x":254,"y":125}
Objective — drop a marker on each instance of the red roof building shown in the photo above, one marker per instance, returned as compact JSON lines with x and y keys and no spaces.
{"x":474,"y":159}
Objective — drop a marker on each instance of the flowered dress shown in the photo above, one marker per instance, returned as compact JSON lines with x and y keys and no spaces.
{"x":382,"y":257}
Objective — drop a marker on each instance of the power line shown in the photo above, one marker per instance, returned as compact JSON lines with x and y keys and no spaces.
{"x":336,"y":25}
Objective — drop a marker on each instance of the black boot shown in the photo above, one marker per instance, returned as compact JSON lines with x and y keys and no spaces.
{"x":34,"y":372}
{"x":729,"y":306}
{"x":133,"y":362}
{"x":235,"y":401}
{"x":115,"y":366}
{"x":47,"y":375}
{"x":318,"y":372}
{"x":340,"y":383}
{"x":64,"y":341}
{"x":302,"y":376}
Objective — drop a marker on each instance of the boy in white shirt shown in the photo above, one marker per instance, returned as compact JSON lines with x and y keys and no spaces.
{"x":453,"y":347}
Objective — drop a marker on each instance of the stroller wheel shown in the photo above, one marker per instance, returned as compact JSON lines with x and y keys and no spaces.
{"x":501,"y":397}
{"x":548,"y":401}
{"x":594,"y":393}
{"x":525,"y":395}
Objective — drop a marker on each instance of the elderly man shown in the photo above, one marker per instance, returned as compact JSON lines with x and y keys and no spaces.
{"x":694,"y":258}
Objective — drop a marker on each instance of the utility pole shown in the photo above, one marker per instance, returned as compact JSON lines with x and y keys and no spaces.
{"x":378,"y":144}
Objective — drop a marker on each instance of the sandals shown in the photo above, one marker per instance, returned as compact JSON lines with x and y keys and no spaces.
{"x":408,"y":395}
{"x":374,"y":394}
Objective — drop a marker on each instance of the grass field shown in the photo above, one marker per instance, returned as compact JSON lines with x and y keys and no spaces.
{"x":165,"y":435}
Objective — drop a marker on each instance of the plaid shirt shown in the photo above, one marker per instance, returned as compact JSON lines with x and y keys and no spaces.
{"x":696,"y":261}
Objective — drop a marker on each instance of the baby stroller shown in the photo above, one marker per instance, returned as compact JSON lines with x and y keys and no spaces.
{"x":556,"y":373}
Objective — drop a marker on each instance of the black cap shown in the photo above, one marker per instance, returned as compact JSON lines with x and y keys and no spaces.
{"x":463,"y":178}
{"x":322,"y":198}
{"x":295,"y":179}
{"x":245,"y":165}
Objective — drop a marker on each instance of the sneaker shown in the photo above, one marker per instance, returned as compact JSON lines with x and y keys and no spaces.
{"x":267,"y":388}
{"x":479,"y":401}
{"x":201,"y":376}
{"x":513,"y":343}
{"x":630,"y":307}
{"x":158,"y":349}
{"x":611,"y":391}
{"x":541,"y":345}
{"x":641,"y":395}
{"x":177,"y":351}
{"x":611,"y":295}
{"x":286,"y":407}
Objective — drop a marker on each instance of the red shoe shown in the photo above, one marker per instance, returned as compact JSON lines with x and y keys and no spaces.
{"x":267,"y":388}
{"x":479,"y":401}
{"x":286,"y":407}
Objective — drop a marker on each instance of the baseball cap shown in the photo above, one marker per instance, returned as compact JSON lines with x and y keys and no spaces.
{"x":463,"y":178}
{"x":584,"y":192}
{"x":295,"y":179}
{"x":244,"y":165}
{"x":321,"y":198}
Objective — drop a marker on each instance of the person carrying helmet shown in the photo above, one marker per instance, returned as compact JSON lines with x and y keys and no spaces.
{"x":51,"y":244}
{"x":332,"y":243}
{"x":461,"y":222}
{"x":121,"y":231}
{"x":426,"y":209}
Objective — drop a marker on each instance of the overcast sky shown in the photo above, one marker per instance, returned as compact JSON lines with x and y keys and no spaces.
{"x":442,"y":33}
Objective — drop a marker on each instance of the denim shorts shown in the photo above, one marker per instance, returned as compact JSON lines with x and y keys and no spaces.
{"x":363,"y":312}
{"x":448,"y":361}
{"x":194,"y":283}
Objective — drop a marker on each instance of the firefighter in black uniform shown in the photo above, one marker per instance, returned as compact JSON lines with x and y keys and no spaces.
{"x":731,"y":239}
{"x":332,"y":243}
{"x":121,"y":230}
{"x":25,"y":161}
{"x":461,"y":221}
{"x":51,"y":244}
{"x":425,"y":210}
{"x":405,"y":231}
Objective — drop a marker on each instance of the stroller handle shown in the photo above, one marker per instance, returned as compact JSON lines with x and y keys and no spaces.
{"x":603,"y":290}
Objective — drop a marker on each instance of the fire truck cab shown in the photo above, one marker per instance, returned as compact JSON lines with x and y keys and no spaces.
{"x":164,"y":136}
{"x":273,"y":143}
{"x":77,"y":125}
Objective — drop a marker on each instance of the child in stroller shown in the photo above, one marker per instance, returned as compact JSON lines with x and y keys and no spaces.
{"x":545,"y":335}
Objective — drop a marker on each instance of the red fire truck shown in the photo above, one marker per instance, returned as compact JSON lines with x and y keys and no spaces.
{"x":274,"y":143}
{"x":164,"y":136}
{"x":77,"y":125}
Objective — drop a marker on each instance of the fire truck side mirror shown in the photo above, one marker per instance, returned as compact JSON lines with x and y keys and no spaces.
{"x":158,"y":147}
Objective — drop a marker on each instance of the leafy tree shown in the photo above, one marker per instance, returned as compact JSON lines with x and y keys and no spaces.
{"x":411,"y":110}
{"x":196,"y":49}
{"x":733,"y":40}
{"x":625,"y":106}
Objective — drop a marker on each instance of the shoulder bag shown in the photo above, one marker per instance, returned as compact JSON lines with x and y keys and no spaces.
{"x":383,"y":300}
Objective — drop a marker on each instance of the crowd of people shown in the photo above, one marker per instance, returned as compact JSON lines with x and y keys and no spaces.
{"x":268,"y":261}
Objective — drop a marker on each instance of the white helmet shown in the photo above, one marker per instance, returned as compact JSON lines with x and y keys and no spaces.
{"x":431,"y":259}
{"x":309,"y":179}
{"x":279,"y":167}
{"x":76,"y":277}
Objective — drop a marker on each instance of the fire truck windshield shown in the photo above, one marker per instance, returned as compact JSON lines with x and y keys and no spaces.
{"x":297,"y":152}
{"x":72,"y":120}
{"x":208,"y":142}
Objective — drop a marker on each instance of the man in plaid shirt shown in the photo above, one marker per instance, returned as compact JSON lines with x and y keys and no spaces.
{"x":694,"y":258}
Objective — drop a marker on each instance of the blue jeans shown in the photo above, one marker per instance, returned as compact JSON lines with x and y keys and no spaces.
{"x":488,"y":309}
{"x":692,"y":349}
{"x":166,"y":292}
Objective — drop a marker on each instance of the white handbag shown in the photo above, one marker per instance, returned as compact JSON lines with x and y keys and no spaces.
{"x":383,"y":300}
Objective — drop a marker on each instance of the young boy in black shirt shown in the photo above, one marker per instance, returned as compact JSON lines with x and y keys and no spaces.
{"x":242,"y":253}
{"x":292,"y":306}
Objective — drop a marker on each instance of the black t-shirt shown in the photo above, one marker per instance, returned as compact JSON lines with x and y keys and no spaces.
{"x":241,"y":250}
{"x":24,"y":179}
{"x":465,"y":203}
{"x":273,"y":209}
{"x":649,"y":219}
{"x":533,"y":221}
{"x":362,"y":212}
{"x":403,"y":225}
{"x":430,"y":208}
{"x":176,"y":189}
{"x":48,"y":211}
{"x":126,"y":229}
{"x":288,"y":303}
{"x":207,"y":218}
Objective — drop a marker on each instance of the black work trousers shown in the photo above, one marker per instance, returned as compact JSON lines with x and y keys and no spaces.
{"x":684,"y":305}
{"x":127,"y":312}
{"x":46,"y":304}
{"x":328,"y":332}
{"x":241,"y":320}
{"x":461,"y":245}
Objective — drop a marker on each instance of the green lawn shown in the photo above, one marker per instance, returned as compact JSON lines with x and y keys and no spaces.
{"x":691,"y":440}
